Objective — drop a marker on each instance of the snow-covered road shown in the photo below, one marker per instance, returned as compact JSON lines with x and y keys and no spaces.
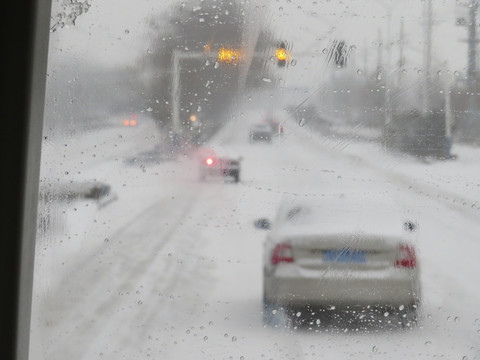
{"x":172,"y":269}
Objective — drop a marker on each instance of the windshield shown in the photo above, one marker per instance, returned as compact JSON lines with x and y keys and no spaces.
{"x":259,"y":180}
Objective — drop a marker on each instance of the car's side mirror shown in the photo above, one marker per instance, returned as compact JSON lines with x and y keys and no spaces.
{"x":263,"y":224}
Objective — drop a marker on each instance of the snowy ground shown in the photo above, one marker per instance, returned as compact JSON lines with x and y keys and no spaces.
{"x":172,"y":268}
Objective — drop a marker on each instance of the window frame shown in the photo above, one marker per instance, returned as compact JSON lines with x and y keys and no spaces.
{"x":25,"y":35}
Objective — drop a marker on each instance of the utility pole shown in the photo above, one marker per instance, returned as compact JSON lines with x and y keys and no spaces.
{"x":401,"y":59}
{"x":379,"y":55}
{"x":472,"y":44}
{"x":470,"y":21}
{"x":365,"y":58}
{"x":427,"y":57}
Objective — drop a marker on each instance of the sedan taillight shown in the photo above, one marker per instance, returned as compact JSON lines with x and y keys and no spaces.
{"x":406,"y":257}
{"x":282,"y":253}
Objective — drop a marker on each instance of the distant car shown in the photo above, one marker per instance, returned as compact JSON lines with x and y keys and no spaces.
{"x":274,"y":124}
{"x":313,"y":265}
{"x":213,"y":166}
{"x":260,"y":133}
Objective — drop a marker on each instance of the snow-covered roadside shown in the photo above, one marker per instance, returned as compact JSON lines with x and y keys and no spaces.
{"x":182,"y":264}
{"x":455,"y":181}
{"x":70,"y":229}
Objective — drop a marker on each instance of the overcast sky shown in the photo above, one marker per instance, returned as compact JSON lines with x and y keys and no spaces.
{"x":114,"y":31}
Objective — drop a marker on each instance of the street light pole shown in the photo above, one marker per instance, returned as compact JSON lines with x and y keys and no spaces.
{"x":177,"y":57}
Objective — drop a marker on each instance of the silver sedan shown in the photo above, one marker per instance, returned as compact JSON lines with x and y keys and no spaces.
{"x":322,"y":261}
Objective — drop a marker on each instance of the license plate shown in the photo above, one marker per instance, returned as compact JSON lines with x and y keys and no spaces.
{"x":344,"y":256}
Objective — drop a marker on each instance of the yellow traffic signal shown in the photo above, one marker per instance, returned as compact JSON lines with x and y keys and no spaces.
{"x":282,"y":55}
{"x":229,"y":55}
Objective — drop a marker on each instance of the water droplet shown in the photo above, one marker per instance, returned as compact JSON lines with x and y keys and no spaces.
{"x":205,"y":338}
{"x":456,"y":73}
{"x":234,"y":338}
{"x":225,"y":335}
{"x":374,"y":349}
{"x":293,"y":62}
{"x":401,"y":307}
{"x":217,"y":65}
{"x":127,"y":31}
{"x":301,"y":122}
{"x":298,"y":314}
{"x":207,"y":63}
{"x":359,"y":71}
{"x":428,"y":343}
{"x":188,"y":331}
{"x":325,"y":50}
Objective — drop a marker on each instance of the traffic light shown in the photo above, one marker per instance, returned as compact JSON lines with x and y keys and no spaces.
{"x":282,"y":55}
{"x":340,"y":54}
{"x":229,"y":55}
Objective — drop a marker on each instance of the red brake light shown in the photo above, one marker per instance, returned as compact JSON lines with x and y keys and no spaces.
{"x":282,"y":253}
{"x":407,"y":257}
{"x":209,"y":161}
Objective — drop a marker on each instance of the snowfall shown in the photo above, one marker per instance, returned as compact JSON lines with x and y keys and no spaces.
{"x":169,"y":267}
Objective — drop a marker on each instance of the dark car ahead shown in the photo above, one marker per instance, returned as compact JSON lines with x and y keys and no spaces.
{"x":215,"y":167}
{"x":260,"y":133}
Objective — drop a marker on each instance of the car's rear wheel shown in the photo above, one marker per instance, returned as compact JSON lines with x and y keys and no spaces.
{"x":275,"y":315}
{"x":409,"y":318}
